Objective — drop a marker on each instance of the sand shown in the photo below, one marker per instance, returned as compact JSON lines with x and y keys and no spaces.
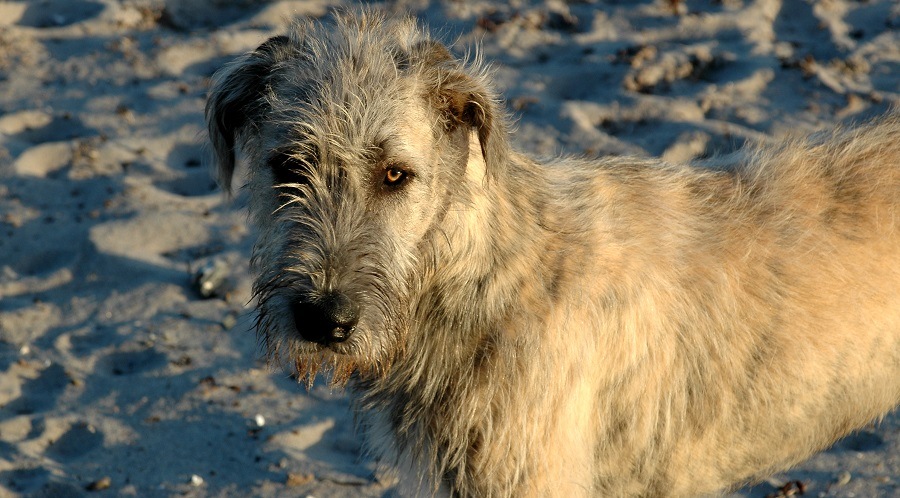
{"x":117,"y":378}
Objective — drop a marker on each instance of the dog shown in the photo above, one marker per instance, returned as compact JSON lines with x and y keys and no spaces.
{"x":611,"y":327}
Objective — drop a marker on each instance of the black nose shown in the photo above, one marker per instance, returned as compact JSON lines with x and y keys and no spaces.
{"x":326,"y":320}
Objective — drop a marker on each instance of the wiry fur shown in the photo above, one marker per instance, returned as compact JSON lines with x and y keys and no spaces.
{"x":620,"y":327}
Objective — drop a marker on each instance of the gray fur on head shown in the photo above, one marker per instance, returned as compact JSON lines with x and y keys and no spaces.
{"x":246,"y":93}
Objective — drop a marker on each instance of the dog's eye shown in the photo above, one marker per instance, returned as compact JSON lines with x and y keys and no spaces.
{"x":395,"y":176}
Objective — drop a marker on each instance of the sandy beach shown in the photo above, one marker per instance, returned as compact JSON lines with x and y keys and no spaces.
{"x":118,"y":377}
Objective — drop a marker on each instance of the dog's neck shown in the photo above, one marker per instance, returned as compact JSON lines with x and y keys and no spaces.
{"x":490,"y":259}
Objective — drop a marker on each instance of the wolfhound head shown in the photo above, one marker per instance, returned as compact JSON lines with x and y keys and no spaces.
{"x":357,"y":139}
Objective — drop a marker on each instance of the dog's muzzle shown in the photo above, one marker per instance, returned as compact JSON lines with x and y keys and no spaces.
{"x":327,"y":320}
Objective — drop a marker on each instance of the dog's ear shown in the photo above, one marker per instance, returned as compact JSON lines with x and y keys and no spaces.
{"x":237,"y":100}
{"x":463,"y":99}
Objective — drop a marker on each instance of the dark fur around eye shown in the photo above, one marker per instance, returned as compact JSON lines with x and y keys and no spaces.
{"x":287,"y":169}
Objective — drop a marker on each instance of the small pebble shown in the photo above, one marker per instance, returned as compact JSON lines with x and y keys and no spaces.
{"x":298,"y":479}
{"x":213,"y":279}
{"x":260,"y":420}
{"x":843,"y":478}
{"x":99,"y":484}
{"x":196,"y":480}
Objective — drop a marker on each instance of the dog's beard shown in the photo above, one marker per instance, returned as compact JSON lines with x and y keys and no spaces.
{"x":368,"y":354}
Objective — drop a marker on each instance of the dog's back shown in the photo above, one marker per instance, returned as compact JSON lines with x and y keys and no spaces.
{"x":767,"y":322}
{"x":834,"y":206}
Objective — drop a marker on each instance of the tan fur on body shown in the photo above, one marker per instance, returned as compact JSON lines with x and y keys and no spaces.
{"x":619,"y":327}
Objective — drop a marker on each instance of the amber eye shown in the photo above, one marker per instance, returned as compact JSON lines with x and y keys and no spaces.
{"x":394,"y":176}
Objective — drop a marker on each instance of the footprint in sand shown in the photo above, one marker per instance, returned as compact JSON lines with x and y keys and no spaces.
{"x":40,"y":394}
{"x":133,"y":362}
{"x":35,"y":482}
{"x":187,"y":15}
{"x":861,"y":441}
{"x":56,"y":13}
{"x":25,"y":480}
{"x":37,"y":127}
{"x":194,"y":184}
{"x":78,"y":441}
{"x":196,"y":180}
